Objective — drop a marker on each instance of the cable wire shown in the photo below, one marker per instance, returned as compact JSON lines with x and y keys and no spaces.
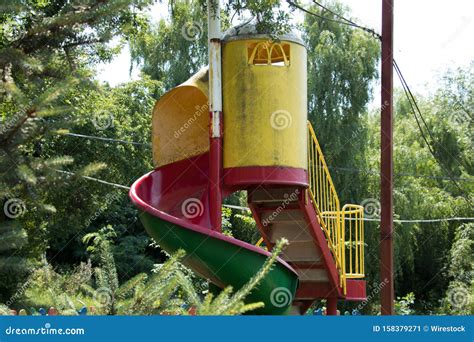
{"x":406,"y":88}
{"x":348,"y":21}
{"x":345,"y":22}
{"x":413,"y":105}
{"x":237,"y":207}
{"x":106,"y":139}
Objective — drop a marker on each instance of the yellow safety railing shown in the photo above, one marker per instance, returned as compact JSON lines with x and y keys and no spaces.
{"x":353,"y":227}
{"x":344,"y":228}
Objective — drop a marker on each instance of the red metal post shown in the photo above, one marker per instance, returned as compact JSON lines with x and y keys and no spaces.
{"x":215,"y":175}
{"x":331,"y":306}
{"x":386,"y":162}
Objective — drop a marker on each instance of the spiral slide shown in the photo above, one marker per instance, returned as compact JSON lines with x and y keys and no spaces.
{"x":173,"y":201}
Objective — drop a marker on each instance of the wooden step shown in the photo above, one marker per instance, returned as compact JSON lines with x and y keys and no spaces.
{"x":293,"y":232}
{"x":281,"y":196}
{"x":282,"y":215}
{"x":298,"y":251}
{"x":312,"y":274}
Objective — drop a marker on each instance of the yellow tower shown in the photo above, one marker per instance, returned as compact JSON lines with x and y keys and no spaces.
{"x":264,"y":106}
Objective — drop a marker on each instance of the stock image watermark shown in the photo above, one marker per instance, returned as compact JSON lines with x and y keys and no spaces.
{"x":372,"y":208}
{"x":281,"y":119}
{"x":200,"y":109}
{"x":103,"y":121}
{"x":47,"y":329}
{"x":281,"y":297}
{"x":192,"y":31}
{"x":14,"y":208}
{"x":287,"y":200}
{"x":192,"y":208}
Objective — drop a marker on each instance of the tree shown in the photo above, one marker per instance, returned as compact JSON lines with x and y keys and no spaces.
{"x":342,"y":64}
{"x":46,"y":52}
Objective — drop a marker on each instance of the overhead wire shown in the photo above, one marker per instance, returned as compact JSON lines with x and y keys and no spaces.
{"x":236,"y":207}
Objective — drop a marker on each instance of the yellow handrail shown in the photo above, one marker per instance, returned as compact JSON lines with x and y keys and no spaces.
{"x":332,"y":219}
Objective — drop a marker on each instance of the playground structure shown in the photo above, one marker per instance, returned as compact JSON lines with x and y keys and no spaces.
{"x":268,"y":149}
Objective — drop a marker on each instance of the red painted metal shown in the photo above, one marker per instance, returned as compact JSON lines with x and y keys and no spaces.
{"x":162,"y":192}
{"x":356,"y":290}
{"x":331,"y":307}
{"x":311,"y":290}
{"x":308,"y":266}
{"x":386,"y":162}
{"x":263,"y":231}
{"x":241,"y":177}
{"x":320,"y":240}
{"x":215,"y":178}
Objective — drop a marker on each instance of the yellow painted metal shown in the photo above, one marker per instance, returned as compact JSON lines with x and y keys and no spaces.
{"x":181,"y":121}
{"x":353,"y":224}
{"x":344,"y":229}
{"x":264,"y":94}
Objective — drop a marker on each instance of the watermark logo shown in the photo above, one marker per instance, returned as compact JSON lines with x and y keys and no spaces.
{"x":287,"y":200}
{"x":199,"y":111}
{"x":192,"y":31}
{"x":14,"y":208}
{"x":375,"y":291}
{"x":192,"y":208}
{"x":371,"y":207}
{"x":103,"y":296}
{"x":281,"y":119}
{"x":12,"y":31}
{"x":459,"y":297}
{"x":281,"y":297}
{"x":102,"y":121}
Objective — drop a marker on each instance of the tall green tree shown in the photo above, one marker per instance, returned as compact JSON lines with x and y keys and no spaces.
{"x":47,"y":51}
{"x":342,"y":66}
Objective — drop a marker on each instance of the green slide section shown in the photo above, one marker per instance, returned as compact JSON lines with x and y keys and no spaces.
{"x":225,"y":263}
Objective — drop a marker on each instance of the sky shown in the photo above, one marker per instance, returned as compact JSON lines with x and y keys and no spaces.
{"x":430,"y":36}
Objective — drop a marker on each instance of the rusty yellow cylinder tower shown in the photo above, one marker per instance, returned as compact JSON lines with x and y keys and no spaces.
{"x":265,"y":108}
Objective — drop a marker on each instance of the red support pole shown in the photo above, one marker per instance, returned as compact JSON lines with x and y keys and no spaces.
{"x":215,"y":176}
{"x":386,"y":162}
{"x":331,"y":306}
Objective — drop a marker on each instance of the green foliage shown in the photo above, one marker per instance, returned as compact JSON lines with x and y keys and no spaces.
{"x":175,"y":48}
{"x":168,"y":290}
{"x":270,"y":15}
{"x":47,"y":52}
{"x":342,"y":63}
{"x":424,"y":252}
{"x":403,"y":305}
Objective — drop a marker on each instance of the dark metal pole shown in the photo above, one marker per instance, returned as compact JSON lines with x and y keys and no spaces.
{"x":386,"y":162}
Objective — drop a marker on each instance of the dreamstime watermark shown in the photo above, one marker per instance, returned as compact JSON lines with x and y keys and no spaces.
{"x":12,"y":122}
{"x":280,"y":119}
{"x":103,"y":121}
{"x":12,"y":31}
{"x":375,"y":291}
{"x":46,"y":330}
{"x":199,"y":111}
{"x":14,"y":208}
{"x":281,"y":297}
{"x":19,"y":292}
{"x":371,"y":207}
{"x":192,"y":208}
{"x":103,"y":297}
{"x":287,"y":200}
{"x":459,"y":297}
{"x":192,"y":31}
